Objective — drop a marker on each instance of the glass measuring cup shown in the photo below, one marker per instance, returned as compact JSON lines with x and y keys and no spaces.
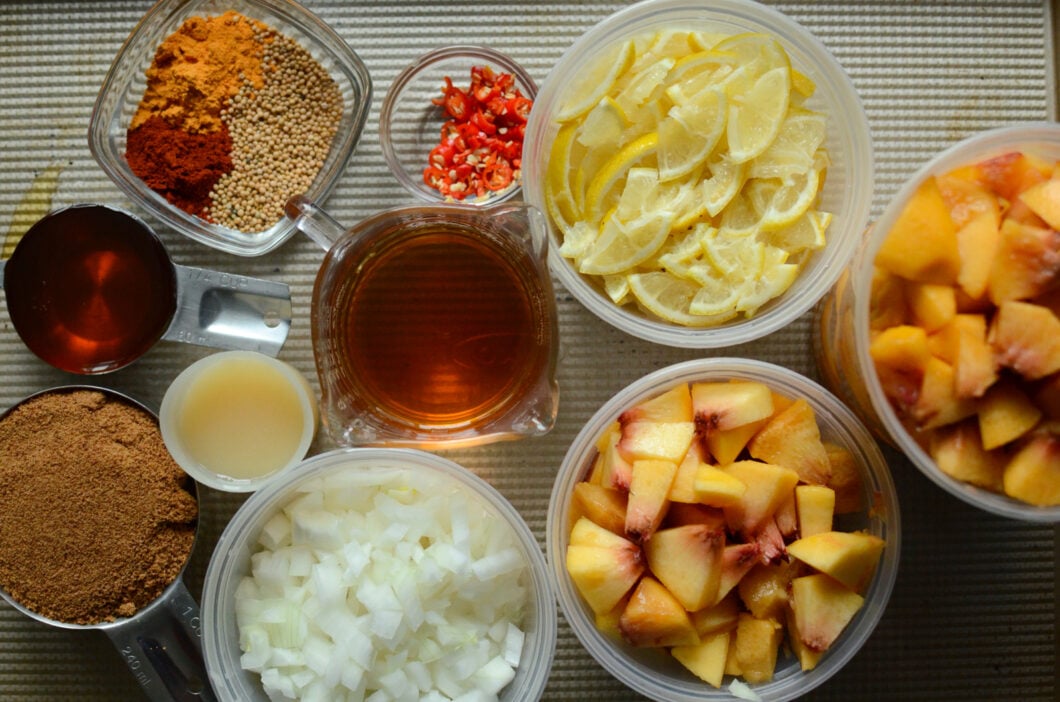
{"x":161,"y":642}
{"x":90,"y":288}
{"x":433,"y":325}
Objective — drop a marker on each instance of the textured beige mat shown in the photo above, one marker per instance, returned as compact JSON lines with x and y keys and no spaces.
{"x":974,"y":612}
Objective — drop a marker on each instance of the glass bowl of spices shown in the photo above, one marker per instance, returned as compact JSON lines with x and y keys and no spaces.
{"x":451,"y":125}
{"x":212,"y":115}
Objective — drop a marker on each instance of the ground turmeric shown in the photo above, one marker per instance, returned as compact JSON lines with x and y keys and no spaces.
{"x":200,"y":67}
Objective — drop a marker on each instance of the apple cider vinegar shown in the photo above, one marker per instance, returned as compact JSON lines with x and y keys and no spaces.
{"x":439,"y":328}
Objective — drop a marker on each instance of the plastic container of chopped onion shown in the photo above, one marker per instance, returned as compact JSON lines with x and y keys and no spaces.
{"x":378,"y":574}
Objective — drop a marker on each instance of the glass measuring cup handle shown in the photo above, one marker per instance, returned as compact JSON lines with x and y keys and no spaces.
{"x":314,"y":222}
{"x":229,"y":311}
{"x":162,"y":646}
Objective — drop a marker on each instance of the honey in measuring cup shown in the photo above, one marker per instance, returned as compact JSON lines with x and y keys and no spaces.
{"x":434,"y":325}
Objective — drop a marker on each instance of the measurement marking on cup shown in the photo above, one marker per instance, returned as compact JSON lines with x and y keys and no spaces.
{"x":135,"y":664}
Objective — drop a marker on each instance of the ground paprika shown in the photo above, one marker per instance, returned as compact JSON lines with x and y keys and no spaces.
{"x":180,"y":166}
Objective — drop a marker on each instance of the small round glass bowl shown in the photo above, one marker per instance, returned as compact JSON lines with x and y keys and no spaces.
{"x":231,"y":561}
{"x":847,"y":192}
{"x":842,"y":343}
{"x":654,"y":672}
{"x":122,"y":89}
{"x":410,"y":124}
{"x":236,"y":420}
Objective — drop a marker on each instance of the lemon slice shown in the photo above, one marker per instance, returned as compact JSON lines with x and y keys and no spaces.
{"x":578,"y":240}
{"x":752,"y":47}
{"x":623,"y":245}
{"x":588,"y":87}
{"x":559,"y":199}
{"x":715,"y":297}
{"x":774,"y":279}
{"x":603,"y":125}
{"x":799,"y":138}
{"x":725,"y":181}
{"x":781,"y":203}
{"x":640,"y":193}
{"x":617,"y":288}
{"x":807,"y":233}
{"x":638,"y":87}
{"x":615,"y":169}
{"x":755,"y":117}
{"x":740,"y":219}
{"x":689,"y":134}
{"x":734,"y":257}
{"x":668,"y":297}
{"x":701,"y":41}
{"x":802,"y":84}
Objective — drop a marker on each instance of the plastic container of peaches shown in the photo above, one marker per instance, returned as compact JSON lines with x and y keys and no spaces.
{"x":654,"y":672}
{"x":843,"y":332}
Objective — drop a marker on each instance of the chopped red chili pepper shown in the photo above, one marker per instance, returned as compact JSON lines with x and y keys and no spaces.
{"x":482,"y":142}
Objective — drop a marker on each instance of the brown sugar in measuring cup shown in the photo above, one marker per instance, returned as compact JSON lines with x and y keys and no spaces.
{"x":97,"y":523}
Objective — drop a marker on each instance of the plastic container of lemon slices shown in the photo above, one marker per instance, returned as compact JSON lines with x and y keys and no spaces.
{"x":652,"y":306}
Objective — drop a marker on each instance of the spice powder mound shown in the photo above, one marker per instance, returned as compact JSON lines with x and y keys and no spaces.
{"x":96,"y":519}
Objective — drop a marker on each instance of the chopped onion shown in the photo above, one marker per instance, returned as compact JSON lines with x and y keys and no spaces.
{"x":383,"y":586}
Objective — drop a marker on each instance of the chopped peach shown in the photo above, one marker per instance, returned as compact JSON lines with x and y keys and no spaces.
{"x":1044,"y":200}
{"x":966,"y":197}
{"x":654,"y":617}
{"x":1026,"y":338}
{"x":958,"y":452}
{"x":1005,"y":414}
{"x":1011,"y":173}
{"x":1027,"y":262}
{"x":888,"y":306}
{"x":977,"y":243}
{"x":1033,"y":474}
{"x":792,"y":439}
{"x":938,"y":403}
{"x":933,"y":306}
{"x":922,"y":244}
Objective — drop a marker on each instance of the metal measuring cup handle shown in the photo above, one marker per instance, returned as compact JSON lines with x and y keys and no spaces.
{"x":230,"y":311}
{"x":162,"y":646}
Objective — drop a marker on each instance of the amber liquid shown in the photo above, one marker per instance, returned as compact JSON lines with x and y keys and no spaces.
{"x":89,"y":290}
{"x":441,"y":328}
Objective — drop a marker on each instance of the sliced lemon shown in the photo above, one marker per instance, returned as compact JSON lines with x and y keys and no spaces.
{"x":682,"y":252}
{"x":734,"y":257}
{"x":668,"y":43}
{"x":639,"y":194}
{"x":715,"y":297}
{"x":557,"y":175}
{"x":702,"y":41}
{"x":807,"y":233}
{"x":640,"y":86}
{"x":578,"y":240}
{"x":740,"y":219}
{"x":774,"y":279}
{"x":689,"y":134}
{"x":781,"y":202}
{"x":802,"y":84}
{"x":588,"y":87}
{"x":799,"y":138}
{"x":668,"y":297}
{"x":756,"y":116}
{"x":614,"y":170}
{"x":617,"y":288}
{"x":750,"y":47}
{"x":725,"y":181}
{"x":603,"y":125}
{"x":623,"y":245}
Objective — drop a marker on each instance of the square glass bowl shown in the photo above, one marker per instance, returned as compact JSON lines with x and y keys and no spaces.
{"x":126,"y":81}
{"x":847,"y":192}
{"x":410,"y":124}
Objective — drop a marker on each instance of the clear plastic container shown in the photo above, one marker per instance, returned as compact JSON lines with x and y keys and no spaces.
{"x":842,"y":341}
{"x":124,"y":86}
{"x":847,"y":192}
{"x":655,"y":673}
{"x":231,"y":562}
{"x":410,"y":125}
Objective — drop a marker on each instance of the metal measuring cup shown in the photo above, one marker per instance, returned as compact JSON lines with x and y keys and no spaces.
{"x":162,"y":642}
{"x":84,"y":269}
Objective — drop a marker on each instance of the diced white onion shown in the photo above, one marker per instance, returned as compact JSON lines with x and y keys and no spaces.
{"x":383,"y":586}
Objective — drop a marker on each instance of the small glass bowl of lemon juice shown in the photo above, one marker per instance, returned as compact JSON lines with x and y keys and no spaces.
{"x":707,"y":170}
